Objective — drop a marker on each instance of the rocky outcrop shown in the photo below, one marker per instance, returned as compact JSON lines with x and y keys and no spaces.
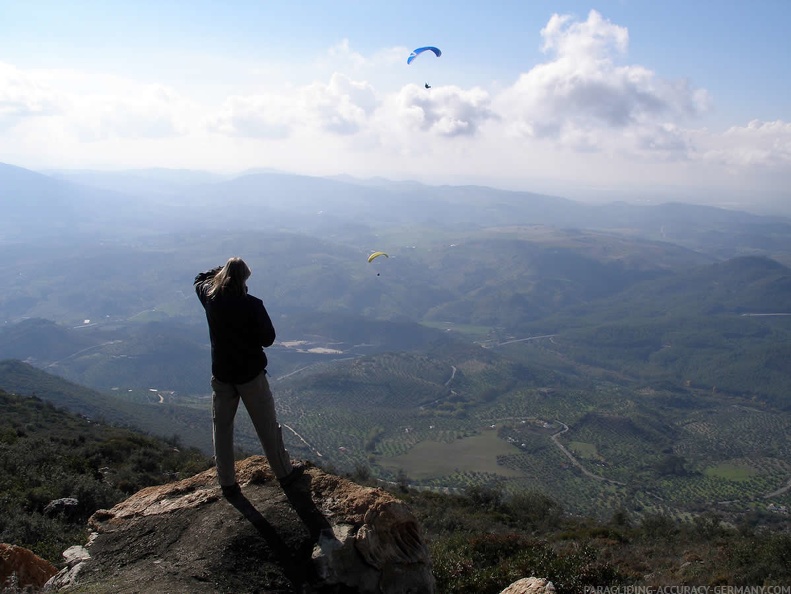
{"x":67,"y":506}
{"x":325,"y":534}
{"x":74,"y":560}
{"x":530,"y":585}
{"x":21,"y":568}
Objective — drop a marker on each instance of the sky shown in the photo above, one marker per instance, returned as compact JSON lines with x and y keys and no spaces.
{"x":600,"y":100}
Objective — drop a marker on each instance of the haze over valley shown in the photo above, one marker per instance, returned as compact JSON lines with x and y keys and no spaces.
{"x":613,"y":355}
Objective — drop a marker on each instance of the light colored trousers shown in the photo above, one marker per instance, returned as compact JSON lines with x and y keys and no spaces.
{"x":260,"y":405}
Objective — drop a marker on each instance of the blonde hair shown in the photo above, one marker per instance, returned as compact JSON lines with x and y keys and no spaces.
{"x":231,"y":279}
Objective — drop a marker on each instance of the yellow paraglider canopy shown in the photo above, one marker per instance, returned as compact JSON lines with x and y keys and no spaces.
{"x":376,"y":255}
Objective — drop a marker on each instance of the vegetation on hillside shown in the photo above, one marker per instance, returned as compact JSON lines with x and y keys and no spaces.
{"x":131,"y":409}
{"x":47,"y":454}
{"x":482,"y":541}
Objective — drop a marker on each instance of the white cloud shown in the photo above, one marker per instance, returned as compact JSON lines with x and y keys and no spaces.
{"x":257,"y":116}
{"x":341,"y":57}
{"x":341,"y":107}
{"x":584,"y":100}
{"x":446,"y":111}
{"x":343,"y":54}
{"x":22,"y":96}
{"x":90,"y":106}
{"x":589,"y":40}
{"x":758,"y":144}
{"x":148,"y":111}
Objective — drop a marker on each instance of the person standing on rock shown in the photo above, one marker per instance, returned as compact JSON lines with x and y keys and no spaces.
{"x":239,"y":330}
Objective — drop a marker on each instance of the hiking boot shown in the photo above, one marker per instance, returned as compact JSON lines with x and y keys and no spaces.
{"x":296,"y":472}
{"x":231,"y":491}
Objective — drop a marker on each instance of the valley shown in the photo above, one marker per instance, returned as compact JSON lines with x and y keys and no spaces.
{"x":611,"y":358}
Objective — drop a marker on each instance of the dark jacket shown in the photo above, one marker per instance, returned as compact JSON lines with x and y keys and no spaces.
{"x":239,"y":329}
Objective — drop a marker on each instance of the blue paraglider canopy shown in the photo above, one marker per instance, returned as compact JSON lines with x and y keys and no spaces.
{"x":420,"y":50}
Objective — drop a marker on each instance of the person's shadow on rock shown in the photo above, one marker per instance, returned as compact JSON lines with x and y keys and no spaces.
{"x":298,"y":494}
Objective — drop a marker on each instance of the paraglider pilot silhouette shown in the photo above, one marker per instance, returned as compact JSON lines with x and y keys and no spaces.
{"x":239,"y":330}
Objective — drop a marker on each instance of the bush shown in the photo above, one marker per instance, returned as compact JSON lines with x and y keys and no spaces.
{"x":61,"y":455}
{"x":486,"y":497}
{"x":486,"y":564}
{"x":658,"y":526}
{"x":531,"y":509}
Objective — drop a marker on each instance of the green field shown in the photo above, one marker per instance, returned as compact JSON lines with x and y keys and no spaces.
{"x":731,"y":472}
{"x":433,"y":459}
{"x":583,"y":450}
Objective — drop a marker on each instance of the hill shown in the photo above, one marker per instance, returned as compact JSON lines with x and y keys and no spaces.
{"x":169,"y":358}
{"x":479,"y":541}
{"x":426,"y":396}
{"x":724,"y":326}
{"x":47,"y":454}
{"x":188,"y":424}
{"x":45,"y":210}
{"x":171,"y":201}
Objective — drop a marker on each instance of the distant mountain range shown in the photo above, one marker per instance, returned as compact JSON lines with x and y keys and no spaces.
{"x":153,"y":201}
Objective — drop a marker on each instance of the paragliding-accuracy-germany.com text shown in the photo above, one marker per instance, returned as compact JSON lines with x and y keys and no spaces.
{"x":687,"y":590}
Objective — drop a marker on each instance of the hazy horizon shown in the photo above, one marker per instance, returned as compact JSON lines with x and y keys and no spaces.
{"x":633,"y":195}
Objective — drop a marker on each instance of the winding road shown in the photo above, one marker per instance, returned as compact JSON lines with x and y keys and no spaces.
{"x":575,"y":462}
{"x":780,"y":491}
{"x":95,"y":346}
{"x":525,"y":339}
{"x":302,"y":439}
{"x":452,"y":375}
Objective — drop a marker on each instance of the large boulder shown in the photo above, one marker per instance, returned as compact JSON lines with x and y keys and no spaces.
{"x":324,"y":534}
{"x":66,"y":506}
